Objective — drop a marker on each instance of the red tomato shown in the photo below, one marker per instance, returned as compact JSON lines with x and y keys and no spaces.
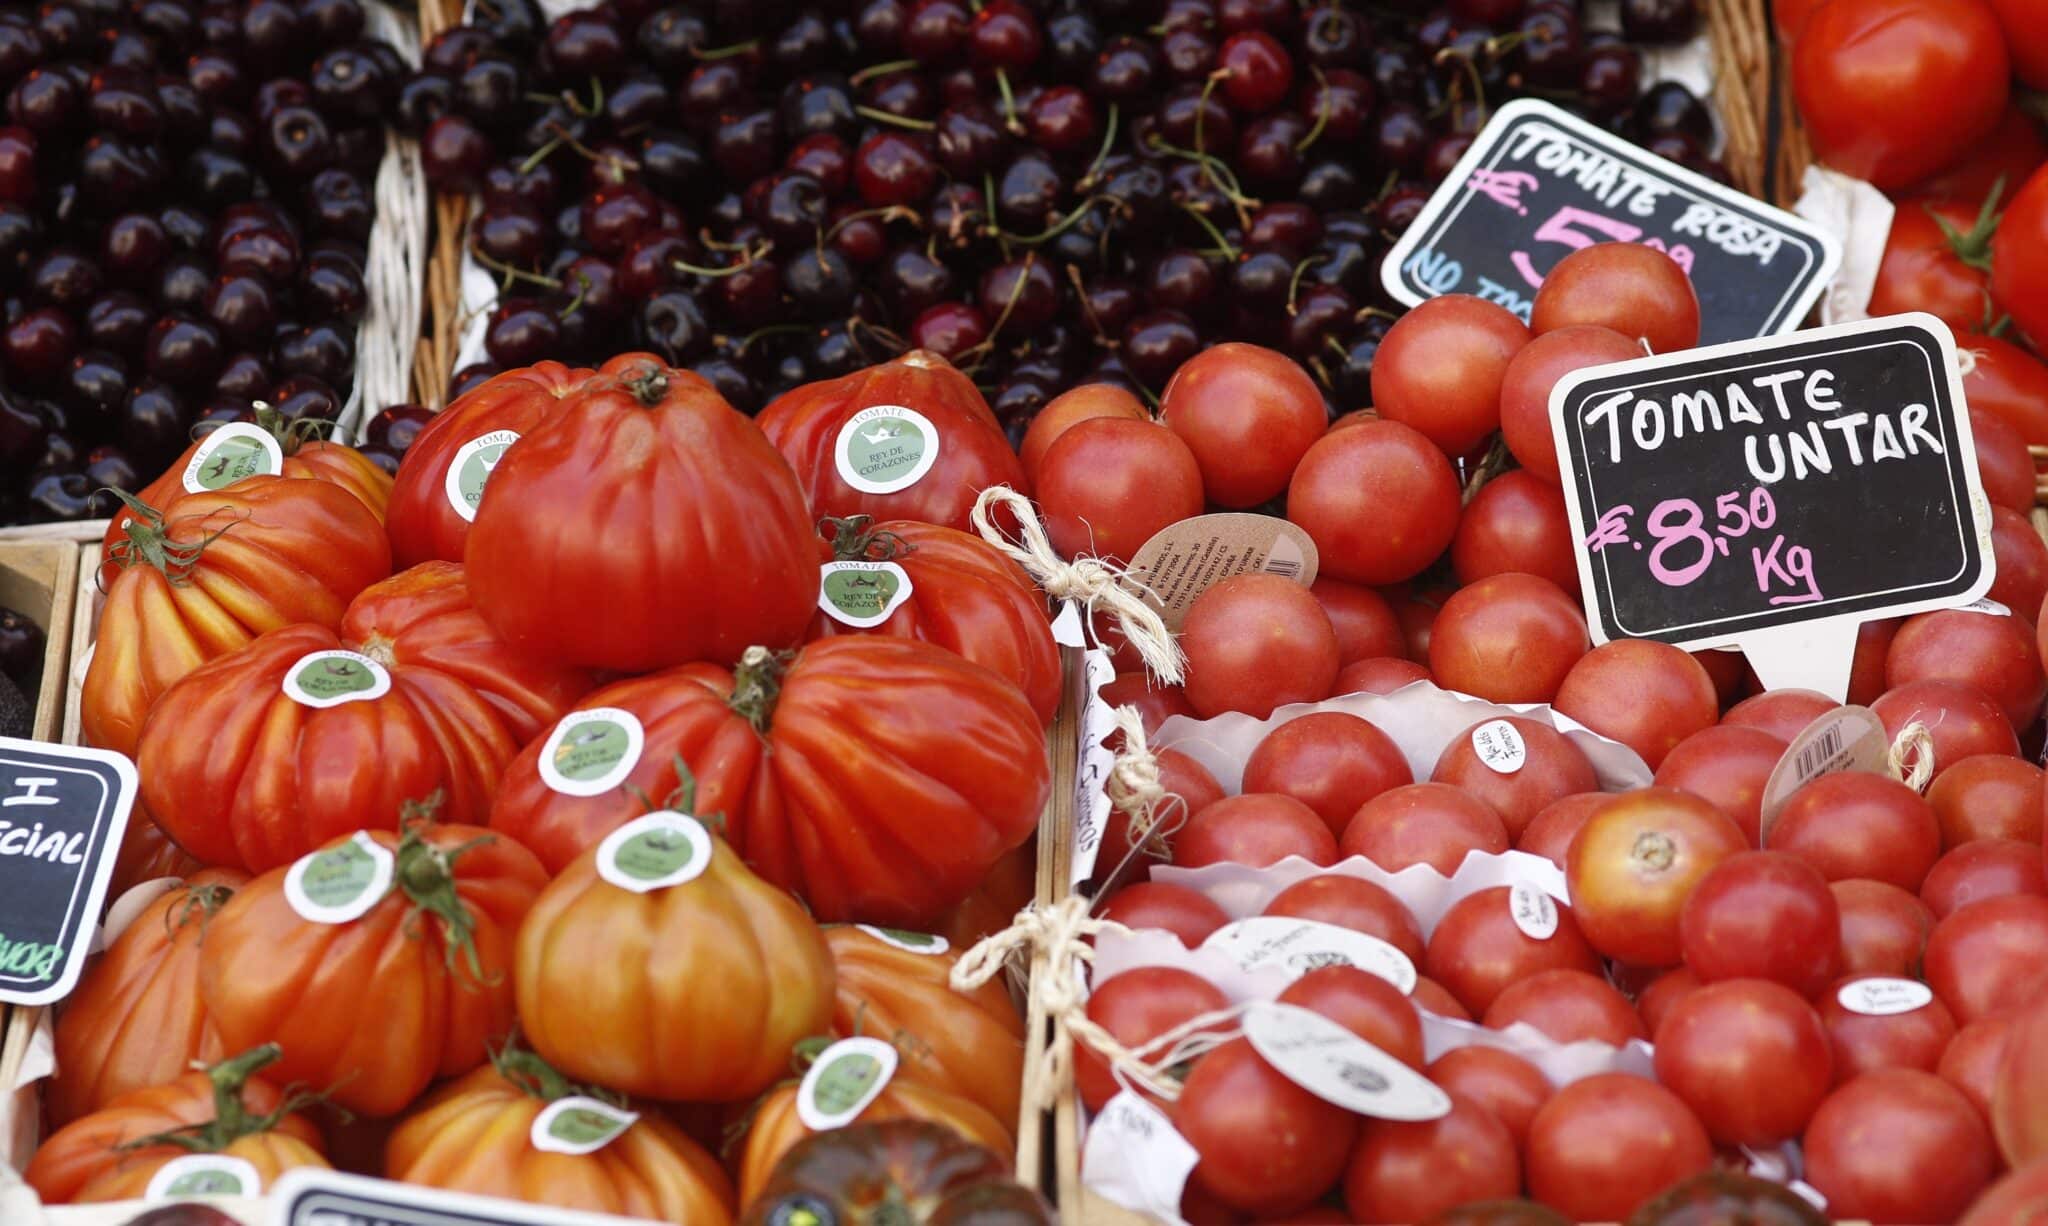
{"x":1894,"y":90}
{"x":1726,"y":765}
{"x":1568,"y":1006}
{"x":1329,"y":761}
{"x":2019,"y":277}
{"x":1516,"y":522}
{"x":1762,"y":915}
{"x":2022,"y":560}
{"x":2004,"y":379}
{"x":1136,"y":1007}
{"x":1605,"y":1144}
{"x":1647,"y":695}
{"x":1508,"y":638}
{"x":1990,"y":796}
{"x":1155,"y":703}
{"x":1550,"y":833}
{"x":1069,"y":409}
{"x":1365,"y":623}
{"x":1992,"y":654}
{"x":2025,"y":38}
{"x":1256,"y":829}
{"x":1408,"y":1172}
{"x":1109,"y":484}
{"x":1440,"y":366}
{"x":1366,"y":1005}
{"x":1477,"y":949}
{"x":1937,"y":259}
{"x":1189,"y":787}
{"x":1984,"y":868}
{"x":1884,"y":928}
{"x":1433,"y":997}
{"x":1547,"y":767}
{"x":2021,"y":1196}
{"x":1988,"y":956}
{"x":1629,"y":288}
{"x":1170,"y":908}
{"x":1863,"y":1041}
{"x":2002,"y":160}
{"x":1960,"y":719}
{"x":1378,"y":499}
{"x":1898,"y":1145}
{"x":1790,"y":17}
{"x":1729,"y":672}
{"x":1416,"y":609}
{"x":1782,"y":713}
{"x":1423,"y":823}
{"x":1858,"y":824}
{"x":1866,"y":667}
{"x":1654,"y":1003}
{"x":1354,"y":903}
{"x":1975,"y":1058}
{"x":1525,"y":389}
{"x":1380,"y":675}
{"x":1265,"y":1145}
{"x":2003,"y":463}
{"x":1749,"y":1056}
{"x":1635,"y":862}
{"x":1255,"y":642}
{"x":1500,"y":1081}
{"x":1248,"y":414}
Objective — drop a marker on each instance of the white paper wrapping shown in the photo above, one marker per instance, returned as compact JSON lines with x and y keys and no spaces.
{"x":1861,"y":217}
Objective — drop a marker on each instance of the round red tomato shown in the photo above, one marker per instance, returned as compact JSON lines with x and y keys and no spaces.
{"x":1378,"y":675}
{"x":1992,"y":654}
{"x":1409,"y":1172}
{"x":1248,"y":414}
{"x":1478,"y":949}
{"x":1870,"y":1026}
{"x":2004,"y":379}
{"x":1516,"y":522}
{"x":1568,"y":1006}
{"x":1536,"y":369}
{"x":2022,"y":560}
{"x":1500,"y":1081}
{"x":1136,"y":1007}
{"x":1605,"y":1144}
{"x":1937,"y":259}
{"x":2001,"y":161}
{"x":1439,"y":369}
{"x":2019,"y":1119}
{"x":1762,"y":915}
{"x":1171,"y":908}
{"x":1188,"y":788}
{"x":1354,"y":903}
{"x":1750,"y":1057}
{"x":1975,"y":1058}
{"x":1509,"y":638}
{"x":1726,"y":765}
{"x":1378,"y":499}
{"x":2021,"y":1196}
{"x":1516,"y":765}
{"x":2003,"y":462}
{"x":1067,"y":410}
{"x":1109,"y":484}
{"x":1423,"y":823}
{"x":1985,"y":868}
{"x":1330,"y":761}
{"x":1634,"y":864}
{"x":1550,"y":833}
{"x":1363,"y":1003}
{"x":1782,"y":713}
{"x":1154,"y":703}
{"x":1635,"y":290}
{"x":1365,"y":623}
{"x":1990,"y":796}
{"x":1859,"y":824}
{"x":1884,"y":928}
{"x":1257,"y":829}
{"x":1898,"y":1145}
{"x":1961,"y":720}
{"x":1989,"y":955}
{"x":1645,"y":694}
{"x":1655,"y":1002}
{"x":1255,"y":642}
{"x":2019,"y":272}
{"x":1264,"y":1144}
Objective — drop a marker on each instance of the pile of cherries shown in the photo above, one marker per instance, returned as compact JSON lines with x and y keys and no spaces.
{"x":185,"y":198}
{"x":1045,"y":191}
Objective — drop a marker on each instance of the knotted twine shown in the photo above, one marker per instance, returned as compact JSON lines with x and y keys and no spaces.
{"x":1089,"y":580}
{"x":1910,"y":760}
{"x":1135,"y":790}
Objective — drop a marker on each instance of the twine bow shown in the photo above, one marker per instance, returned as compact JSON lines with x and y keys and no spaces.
{"x":1090,"y":580}
{"x":1910,"y":760}
{"x":1135,"y":789}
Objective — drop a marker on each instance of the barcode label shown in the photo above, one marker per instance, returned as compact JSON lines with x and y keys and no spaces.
{"x":1286,"y":570}
{"x":1814,"y":759}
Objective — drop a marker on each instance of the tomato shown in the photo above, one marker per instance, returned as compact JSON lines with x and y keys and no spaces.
{"x":1416,"y":609}
{"x":776,"y":1128}
{"x":968,"y":1043}
{"x":1010,"y":886}
{"x":965,"y":597}
{"x":304,"y":458}
{"x":866,"y":1172}
{"x":1516,"y":522}
{"x":590,"y":949}
{"x":1605,"y":1144}
{"x":1405,"y":1172}
{"x":1547,"y":768}
{"x":1961,"y":720}
{"x":1423,"y":823}
{"x":1509,"y":638}
{"x":2006,"y":381}
{"x":1526,"y":386}
{"x":1990,"y":796}
{"x":1363,"y":1003}
{"x":1898,"y":1145}
{"x":701,"y":544}
{"x":1654,"y":1003}
{"x":1070,"y":408}
{"x":1170,"y":908}
{"x":1635,"y":862}
{"x":1500,"y":1213}
{"x":1866,"y":667}
{"x":1884,"y":928}
{"x":2003,"y":463}
{"x":1136,"y":1007}
{"x":1330,"y":761}
{"x":1550,"y":833}
{"x":1378,"y":499}
{"x":1365,"y":623}
{"x":1439,"y":369}
{"x":428,"y":520}
{"x":1726,"y":765}
{"x":1255,"y":642}
{"x":1110,"y":484}
{"x":1189,"y":788}
{"x":1637,"y":291}
{"x":1860,"y":824}
{"x":2018,"y":274}
{"x":2018,"y":1120}
{"x":1782,"y":713}
{"x":1937,"y":259}
{"x":1994,"y":655}
{"x":1894,"y":90}
{"x":2025,"y":39}
{"x":1248,"y":414}
{"x":1975,"y":1058}
{"x":2022,"y":562}
{"x":1354,"y":903}
{"x":1722,"y":1195}
{"x":1988,"y":956}
{"x":1645,"y":694}
{"x":1433,"y":997}
{"x":1256,"y":829}
{"x":1265,"y":1145}
{"x":2002,"y":160}
{"x":1985,"y":868}
{"x":209,"y":574}
{"x":1864,"y":1041}
{"x":1477,"y":949}
{"x":1500,"y":1081}
{"x":2020,"y":1196}
{"x":1155,"y":703}
{"x":147,"y":854}
{"x":135,"y":1019}
{"x":1762,"y":915}
{"x":1379,"y":675}
{"x":1568,"y":1006}
{"x":1749,"y":1056}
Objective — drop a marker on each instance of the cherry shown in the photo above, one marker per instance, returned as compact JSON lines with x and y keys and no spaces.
{"x":324,"y":350}
{"x":454,"y":154}
{"x":396,"y":427}
{"x":1125,"y":71}
{"x":1005,"y":35}
{"x":305,"y":398}
{"x":242,"y":307}
{"x":65,"y":278}
{"x":244,"y":377}
{"x":673,"y":325}
{"x":1257,"y":71}
{"x":39,"y":344}
{"x":17,"y":165}
{"x":118,"y":321}
{"x":96,"y":383}
{"x":937,"y":31}
{"x":583,"y":45}
{"x":894,"y":168}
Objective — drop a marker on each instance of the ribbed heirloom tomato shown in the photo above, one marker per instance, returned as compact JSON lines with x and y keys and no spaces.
{"x":643,"y":523}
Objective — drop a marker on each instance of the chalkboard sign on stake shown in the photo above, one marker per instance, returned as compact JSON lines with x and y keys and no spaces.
{"x":63,"y":810}
{"x":1775,"y":494}
{"x":311,"y":1196}
{"x":1539,"y":183}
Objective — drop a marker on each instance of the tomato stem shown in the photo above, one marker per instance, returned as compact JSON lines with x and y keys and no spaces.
{"x":426,"y":875}
{"x":527,"y":1070}
{"x":1973,"y":247}
{"x":148,"y":541}
{"x":231,"y":1119}
{"x":201,"y":901}
{"x":756,"y":684}
{"x":854,"y":541}
{"x":648,"y":387}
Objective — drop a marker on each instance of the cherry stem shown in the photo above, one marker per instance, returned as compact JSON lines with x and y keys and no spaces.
{"x":1010,"y":120}
{"x":877,"y":70}
{"x":901,"y":121}
{"x":510,"y":272}
{"x":1222,"y":242}
{"x":1102,"y":153}
{"x":1315,"y":132}
{"x":726,"y":53}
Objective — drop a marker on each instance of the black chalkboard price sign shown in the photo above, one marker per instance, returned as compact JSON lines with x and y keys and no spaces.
{"x":1540,"y":183}
{"x":1776,"y":493}
{"x":62,"y":813}
{"x":309,"y":1196}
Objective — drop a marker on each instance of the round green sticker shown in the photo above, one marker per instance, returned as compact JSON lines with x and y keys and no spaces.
{"x":846,"y":1078}
{"x":886,"y":448}
{"x":862,"y":594}
{"x":471,"y":469}
{"x":591,"y":752}
{"x":204,"y":1175}
{"x":662,"y":849}
{"x":330,"y":678}
{"x":337,"y":884}
{"x":579,"y":1125}
{"x":230,"y":453}
{"x":904,"y":939}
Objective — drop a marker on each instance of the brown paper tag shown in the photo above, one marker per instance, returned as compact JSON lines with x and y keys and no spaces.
{"x":1844,"y":739}
{"x":1181,"y":561}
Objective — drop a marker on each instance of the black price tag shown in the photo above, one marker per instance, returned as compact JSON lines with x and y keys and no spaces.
{"x":1774,"y":494}
{"x":62,"y":813}
{"x":309,"y":1196}
{"x":1540,"y":183}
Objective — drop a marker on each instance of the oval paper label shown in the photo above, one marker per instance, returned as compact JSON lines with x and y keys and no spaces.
{"x":337,"y":884}
{"x":578,"y":1125}
{"x":1499,"y":747}
{"x":204,"y":1175}
{"x":862,"y":594}
{"x":842,"y":1083}
{"x":887,"y":448}
{"x":1844,"y":739}
{"x":1182,"y":560}
{"x":654,"y":852}
{"x":1338,"y":1067}
{"x":1884,"y":997}
{"x":1301,"y":945}
{"x":1534,"y":912}
{"x":470,"y":470}
{"x":330,"y":678}
{"x":914,"y":942}
{"x":227,"y":455}
{"x":591,"y":752}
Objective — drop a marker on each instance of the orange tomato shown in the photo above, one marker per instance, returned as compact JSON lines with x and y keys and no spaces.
{"x":777,"y":1129}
